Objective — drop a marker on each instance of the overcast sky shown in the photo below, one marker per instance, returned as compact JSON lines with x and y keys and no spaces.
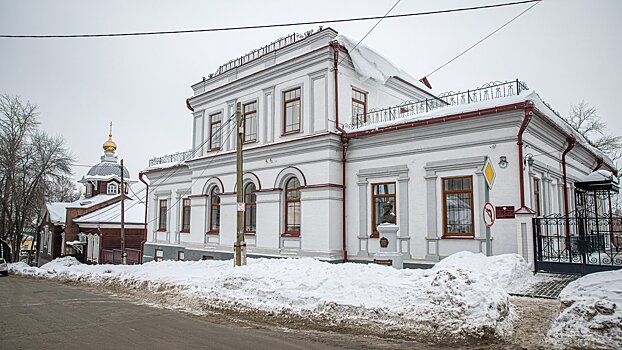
{"x":566,"y":50}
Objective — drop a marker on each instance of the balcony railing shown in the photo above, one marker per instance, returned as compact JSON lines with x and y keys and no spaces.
{"x":486,"y":92}
{"x":170,"y":158}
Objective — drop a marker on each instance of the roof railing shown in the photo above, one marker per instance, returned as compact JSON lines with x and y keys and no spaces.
{"x":489,"y":91}
{"x":170,"y":158}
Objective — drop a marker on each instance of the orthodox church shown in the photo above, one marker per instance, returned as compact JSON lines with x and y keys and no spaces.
{"x":90,"y":228}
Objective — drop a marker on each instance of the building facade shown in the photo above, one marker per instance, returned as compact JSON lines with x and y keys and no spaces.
{"x":334,"y":134}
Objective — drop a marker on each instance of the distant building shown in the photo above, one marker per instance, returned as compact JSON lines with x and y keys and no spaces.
{"x":90,"y":228}
{"x":333,"y":132}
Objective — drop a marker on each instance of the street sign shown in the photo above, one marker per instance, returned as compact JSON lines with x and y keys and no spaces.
{"x":489,"y":214}
{"x":241,"y":206}
{"x":489,"y":173}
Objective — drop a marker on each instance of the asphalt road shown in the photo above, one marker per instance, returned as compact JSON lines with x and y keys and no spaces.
{"x":39,"y":314}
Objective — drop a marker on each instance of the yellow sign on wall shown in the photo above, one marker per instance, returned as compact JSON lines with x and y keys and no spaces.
{"x":489,"y":173}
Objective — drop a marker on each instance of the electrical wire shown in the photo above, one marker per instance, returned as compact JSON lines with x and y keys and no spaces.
{"x":372,"y":28}
{"x":263,"y":26}
{"x":481,"y":40}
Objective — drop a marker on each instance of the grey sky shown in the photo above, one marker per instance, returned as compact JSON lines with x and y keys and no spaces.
{"x":567,"y":50}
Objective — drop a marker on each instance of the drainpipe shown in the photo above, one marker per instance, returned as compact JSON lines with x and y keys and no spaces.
{"x":521,"y":175}
{"x":142,"y":244}
{"x":571,"y":141}
{"x":344,"y":147}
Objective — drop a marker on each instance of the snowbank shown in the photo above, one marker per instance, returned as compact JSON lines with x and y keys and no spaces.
{"x":510,"y":271}
{"x":445,"y":302}
{"x":592,"y":313}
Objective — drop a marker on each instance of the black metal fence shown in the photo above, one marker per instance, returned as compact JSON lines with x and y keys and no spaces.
{"x":578,"y":244}
{"x":489,"y":91}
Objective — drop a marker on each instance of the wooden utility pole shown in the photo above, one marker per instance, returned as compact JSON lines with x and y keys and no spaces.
{"x":123,"y":255}
{"x":240,"y":245}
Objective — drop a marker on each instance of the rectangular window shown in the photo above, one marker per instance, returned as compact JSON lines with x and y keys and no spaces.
{"x":359,"y":107}
{"x":181,"y":255}
{"x":536,"y":196}
{"x":383,"y":201}
{"x":291,"y":111}
{"x":159,"y":255}
{"x":458,"y":206}
{"x":250,"y":121}
{"x":162,"y":216}
{"x":215,"y":133}
{"x":185,"y":216}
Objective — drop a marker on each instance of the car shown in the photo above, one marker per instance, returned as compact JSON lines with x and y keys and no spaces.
{"x":4,"y":267}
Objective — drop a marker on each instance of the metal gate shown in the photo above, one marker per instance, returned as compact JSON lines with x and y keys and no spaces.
{"x":577,"y":244}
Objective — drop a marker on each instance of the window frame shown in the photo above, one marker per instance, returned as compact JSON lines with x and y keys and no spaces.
{"x":286,"y":232}
{"x":250,"y":204}
{"x":158,"y":257}
{"x":212,"y":147}
{"x":465,"y":235}
{"x":162,"y":216}
{"x":244,"y":114}
{"x":183,"y":215}
{"x":116,"y":188}
{"x":213,"y":205}
{"x":364,"y":103}
{"x":374,"y":226}
{"x":536,"y":195}
{"x":292,"y":100}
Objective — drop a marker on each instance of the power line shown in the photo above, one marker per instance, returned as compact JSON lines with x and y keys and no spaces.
{"x":374,"y":27}
{"x":263,"y":26}
{"x":484,"y":38}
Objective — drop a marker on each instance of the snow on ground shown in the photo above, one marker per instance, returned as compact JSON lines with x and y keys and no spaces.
{"x":592,"y":313}
{"x":445,"y":302}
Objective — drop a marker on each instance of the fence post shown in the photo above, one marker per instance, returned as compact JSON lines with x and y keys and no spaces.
{"x":525,"y":236}
{"x":468,"y":96}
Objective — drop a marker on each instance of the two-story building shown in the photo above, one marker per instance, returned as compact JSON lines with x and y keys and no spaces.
{"x":333,"y":134}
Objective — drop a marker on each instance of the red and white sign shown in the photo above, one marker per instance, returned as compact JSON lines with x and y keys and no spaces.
{"x":489,"y":214}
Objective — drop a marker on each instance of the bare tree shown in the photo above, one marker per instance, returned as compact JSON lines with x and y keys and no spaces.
{"x":30,"y":160}
{"x":585,"y":119}
{"x":62,"y":189}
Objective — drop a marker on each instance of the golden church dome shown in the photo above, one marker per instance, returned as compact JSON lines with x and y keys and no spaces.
{"x":110,"y":146}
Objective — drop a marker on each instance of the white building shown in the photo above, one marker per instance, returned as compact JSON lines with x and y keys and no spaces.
{"x":323,"y":117}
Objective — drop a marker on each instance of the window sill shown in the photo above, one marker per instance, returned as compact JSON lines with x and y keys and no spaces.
{"x":184,"y":231}
{"x":161,"y":230}
{"x":458,"y":237}
{"x":212,"y":233}
{"x":250,"y":233}
{"x":290,"y":133}
{"x":291,"y":234}
{"x":214,"y":149}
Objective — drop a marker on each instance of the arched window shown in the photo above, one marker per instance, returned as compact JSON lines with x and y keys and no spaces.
{"x":112,"y":188}
{"x":292,"y":207}
{"x":250,"y":213}
{"x":214,"y":212}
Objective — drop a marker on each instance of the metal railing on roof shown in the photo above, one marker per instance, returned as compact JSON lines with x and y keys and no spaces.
{"x":489,"y":91}
{"x":171,"y":158}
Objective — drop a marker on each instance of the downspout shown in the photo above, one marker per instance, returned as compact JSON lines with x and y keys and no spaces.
{"x":344,"y":147}
{"x":571,"y":141}
{"x":142,"y":244}
{"x":521,"y":131}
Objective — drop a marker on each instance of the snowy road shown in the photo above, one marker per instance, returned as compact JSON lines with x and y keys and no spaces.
{"x":40,"y":314}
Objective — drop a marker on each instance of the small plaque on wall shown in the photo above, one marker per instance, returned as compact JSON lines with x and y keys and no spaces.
{"x":505,"y":212}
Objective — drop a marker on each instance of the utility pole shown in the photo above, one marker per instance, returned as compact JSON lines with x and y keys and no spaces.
{"x":123,"y":254}
{"x":240,"y":245}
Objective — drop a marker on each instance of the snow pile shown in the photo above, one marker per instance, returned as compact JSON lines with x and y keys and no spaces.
{"x":445,"y":302}
{"x":370,"y":64}
{"x":592,"y":313}
{"x":510,"y":271}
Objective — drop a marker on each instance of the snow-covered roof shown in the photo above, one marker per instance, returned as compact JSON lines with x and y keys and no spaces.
{"x":111,"y":214}
{"x":370,"y":64}
{"x":526,"y":95}
{"x":164,"y":166}
{"x":89,"y":202}
{"x":57,"y":211}
{"x":600,"y":175}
